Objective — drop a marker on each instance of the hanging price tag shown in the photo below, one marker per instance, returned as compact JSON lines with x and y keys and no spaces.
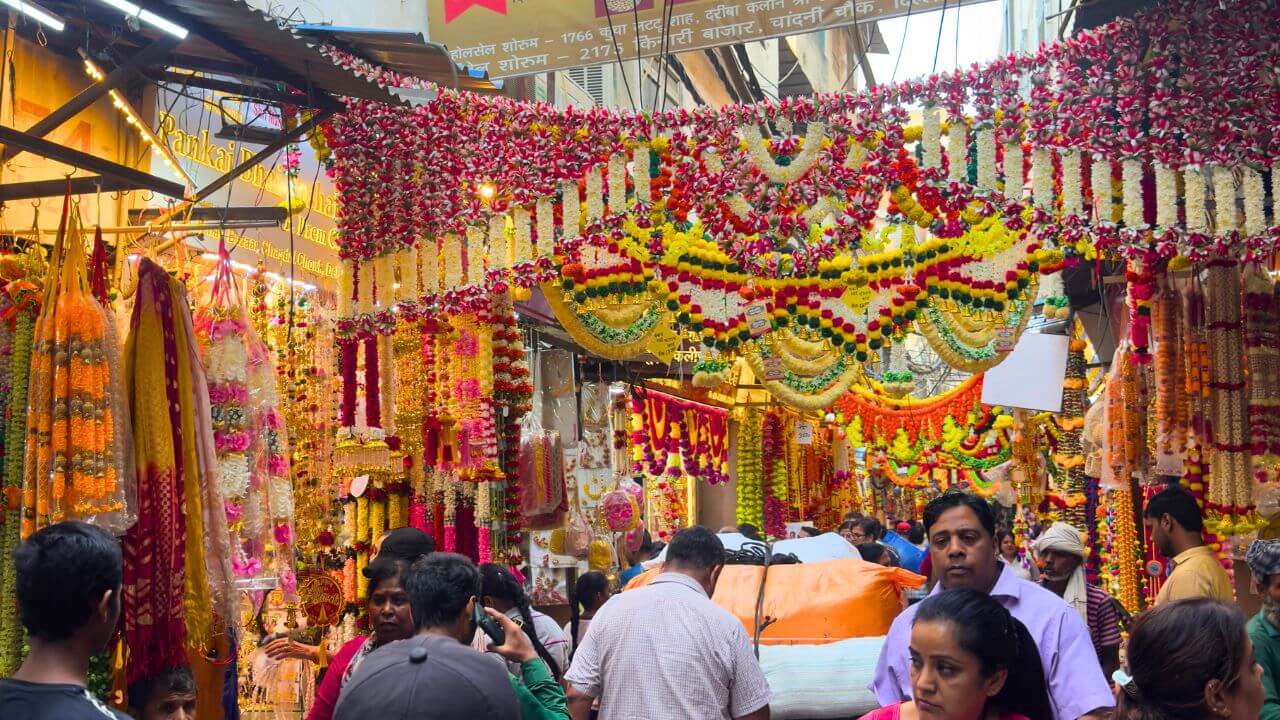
{"x":663,"y":344}
{"x":773,"y":368}
{"x":804,"y":433}
{"x":758,"y":319}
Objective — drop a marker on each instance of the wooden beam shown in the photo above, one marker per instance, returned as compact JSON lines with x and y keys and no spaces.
{"x":54,"y":188}
{"x":11,"y":137}
{"x":94,"y":92}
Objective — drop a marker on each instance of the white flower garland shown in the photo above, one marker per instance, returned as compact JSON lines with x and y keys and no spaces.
{"x":406,"y":265}
{"x":617,"y":183}
{"x":428,"y":266}
{"x":1131,"y":177}
{"x":1041,"y":178}
{"x":475,"y":254}
{"x":820,"y":210}
{"x":854,"y":156}
{"x":1166,"y":196}
{"x":233,"y":475}
{"x":1224,"y":200}
{"x":570,"y":210}
{"x":1072,"y":186}
{"x":499,"y":249}
{"x":1255,"y":214}
{"x":252,"y":518}
{"x":364,"y":290}
{"x":226,"y":360}
{"x":957,"y":147}
{"x":523,"y":237}
{"x":385,"y":279}
{"x":640,"y":172}
{"x":738,"y":205}
{"x":800,"y":164}
{"x":595,"y":195}
{"x":1100,"y":184}
{"x":483,"y":511}
{"x":453,"y":257}
{"x":986,"y":148}
{"x":1275,"y":193}
{"x":1197,"y":219}
{"x":346,"y":286}
{"x":1013,"y":180}
{"x":714,"y":163}
{"x":280,"y":497}
{"x":931,"y":136}
{"x":546,"y":218}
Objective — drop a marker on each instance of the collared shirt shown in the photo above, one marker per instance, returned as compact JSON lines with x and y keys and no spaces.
{"x":667,"y":651}
{"x":1196,"y":574}
{"x":1266,"y":650}
{"x":1074,"y":677}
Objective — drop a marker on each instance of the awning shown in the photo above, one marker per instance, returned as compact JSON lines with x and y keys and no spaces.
{"x":408,"y":53}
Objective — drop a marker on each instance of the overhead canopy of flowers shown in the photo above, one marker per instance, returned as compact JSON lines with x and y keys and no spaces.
{"x":731,"y":224}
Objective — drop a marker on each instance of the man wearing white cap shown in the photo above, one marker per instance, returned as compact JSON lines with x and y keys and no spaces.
{"x":1062,"y":552}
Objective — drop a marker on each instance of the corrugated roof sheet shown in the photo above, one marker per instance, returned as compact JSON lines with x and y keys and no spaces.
{"x":405,"y":52}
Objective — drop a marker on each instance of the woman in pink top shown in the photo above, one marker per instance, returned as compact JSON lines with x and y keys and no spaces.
{"x":971,"y":660}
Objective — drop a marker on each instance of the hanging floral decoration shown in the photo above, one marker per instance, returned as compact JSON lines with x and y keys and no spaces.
{"x":671,"y":429}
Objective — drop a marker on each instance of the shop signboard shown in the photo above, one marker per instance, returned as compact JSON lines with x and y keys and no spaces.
{"x":188,"y":125}
{"x":518,"y":37}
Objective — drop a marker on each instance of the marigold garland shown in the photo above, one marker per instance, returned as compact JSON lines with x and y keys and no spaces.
{"x":750,"y":474}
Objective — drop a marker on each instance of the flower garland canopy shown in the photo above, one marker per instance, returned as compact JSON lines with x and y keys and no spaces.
{"x":701,"y":221}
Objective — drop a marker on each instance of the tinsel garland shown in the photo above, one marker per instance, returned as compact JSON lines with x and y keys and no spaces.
{"x":1124,"y":549}
{"x":750,"y":475}
{"x":1230,"y":485}
{"x":1170,"y":407}
{"x":775,"y":475}
{"x":1069,"y":456}
{"x":1262,"y":342}
{"x":19,"y":364}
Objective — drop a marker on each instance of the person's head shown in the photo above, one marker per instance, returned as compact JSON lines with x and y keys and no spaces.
{"x":500,"y":590}
{"x":902,"y":527}
{"x":851,"y":516}
{"x":1174,"y":520}
{"x":170,"y":695}
{"x":1006,"y":543}
{"x":405,"y":543}
{"x":729,"y":529}
{"x":969,"y":655}
{"x":1062,"y":551}
{"x":810,"y":531}
{"x":865,"y":530}
{"x":874,"y":553}
{"x":961,"y":530}
{"x":915,"y":535}
{"x":1263,"y":557}
{"x":443,"y":590}
{"x":696,"y":552}
{"x":1188,"y":660}
{"x":68,"y":585}
{"x":749,"y":531}
{"x":387,"y":604}
{"x":589,"y":593}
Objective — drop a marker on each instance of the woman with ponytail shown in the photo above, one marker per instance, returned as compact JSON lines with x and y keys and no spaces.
{"x":971,"y":660}
{"x":588,"y":595}
{"x":501,"y":591}
{"x":1190,"y":660}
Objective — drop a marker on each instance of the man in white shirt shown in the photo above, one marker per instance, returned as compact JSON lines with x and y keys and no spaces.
{"x":694,"y":658}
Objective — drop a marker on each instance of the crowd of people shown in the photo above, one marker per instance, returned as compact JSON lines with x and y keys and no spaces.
{"x":452,"y":639}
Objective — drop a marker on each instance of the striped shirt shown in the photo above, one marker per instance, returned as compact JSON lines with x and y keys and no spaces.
{"x":1104,"y":624}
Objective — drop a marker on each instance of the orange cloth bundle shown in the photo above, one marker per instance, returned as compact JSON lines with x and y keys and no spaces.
{"x":811,"y":603}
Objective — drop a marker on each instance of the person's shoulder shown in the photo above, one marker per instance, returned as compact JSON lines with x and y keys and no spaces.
{"x":902,"y":622}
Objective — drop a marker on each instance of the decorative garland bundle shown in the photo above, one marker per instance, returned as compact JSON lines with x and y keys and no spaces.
{"x":1262,"y":340}
{"x":21,"y":304}
{"x":750,"y":477}
{"x":1171,"y":406}
{"x":1230,"y":486}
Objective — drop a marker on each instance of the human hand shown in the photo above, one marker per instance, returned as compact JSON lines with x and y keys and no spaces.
{"x":285,"y":649}
{"x":517,"y":646}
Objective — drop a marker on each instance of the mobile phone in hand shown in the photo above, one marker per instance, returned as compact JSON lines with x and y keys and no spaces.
{"x":489,"y":625}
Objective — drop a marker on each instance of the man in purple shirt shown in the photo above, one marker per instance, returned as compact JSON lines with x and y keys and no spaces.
{"x":960,"y":529}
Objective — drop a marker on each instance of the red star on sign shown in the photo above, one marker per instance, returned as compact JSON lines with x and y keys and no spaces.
{"x":454,"y":8}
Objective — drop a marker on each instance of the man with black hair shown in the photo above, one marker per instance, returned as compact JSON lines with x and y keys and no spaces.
{"x":170,"y":695}
{"x":436,"y":675}
{"x":960,"y":528}
{"x":68,"y":593}
{"x":695,"y":658}
{"x":1176,"y":526}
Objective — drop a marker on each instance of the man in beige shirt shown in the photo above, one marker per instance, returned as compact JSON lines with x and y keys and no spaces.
{"x":667,"y":651}
{"x":1176,"y":526}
